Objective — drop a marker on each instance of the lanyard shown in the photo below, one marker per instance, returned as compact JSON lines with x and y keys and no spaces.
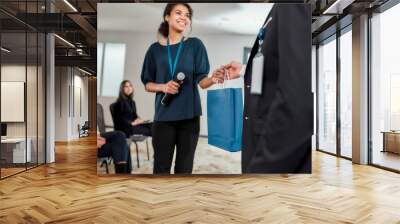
{"x":172,"y":68}
{"x":261,"y":34}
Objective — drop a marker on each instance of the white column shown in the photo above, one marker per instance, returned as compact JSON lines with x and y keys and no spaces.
{"x":50,"y":93}
{"x":360,"y":90}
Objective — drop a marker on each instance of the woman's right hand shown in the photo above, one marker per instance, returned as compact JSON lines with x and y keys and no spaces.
{"x":171,"y":87}
{"x":100,"y":141}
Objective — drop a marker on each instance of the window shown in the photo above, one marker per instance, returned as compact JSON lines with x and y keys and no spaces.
{"x":394,"y":102}
{"x":246,"y":55}
{"x":111,"y":68}
{"x":346,"y":94}
{"x":314,"y":90}
{"x":327,"y":96}
{"x":385,"y":89}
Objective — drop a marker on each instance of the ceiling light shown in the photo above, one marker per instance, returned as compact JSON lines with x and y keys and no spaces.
{"x":338,"y":6}
{"x":70,"y":5}
{"x":5,"y":50}
{"x":64,"y":40}
{"x":84,"y":71}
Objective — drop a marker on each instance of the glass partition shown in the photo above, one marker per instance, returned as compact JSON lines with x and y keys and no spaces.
{"x":41,"y":97}
{"x":23,"y":90}
{"x":385,"y":89}
{"x":14,"y":153}
{"x":327,"y":96}
{"x":346,"y":94}
{"x":31,"y":97}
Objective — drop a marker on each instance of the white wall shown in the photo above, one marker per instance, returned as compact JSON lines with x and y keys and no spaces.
{"x":68,"y":81}
{"x":33,"y":126}
{"x":221,"y":50}
{"x":80,"y":82}
{"x":17,"y":73}
{"x":61,"y":104}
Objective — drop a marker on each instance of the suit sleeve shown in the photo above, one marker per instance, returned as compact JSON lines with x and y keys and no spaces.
{"x":292,"y":105}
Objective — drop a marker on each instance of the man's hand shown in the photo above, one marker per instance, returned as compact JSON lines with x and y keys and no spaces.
{"x":100,"y":141}
{"x":233,"y":69}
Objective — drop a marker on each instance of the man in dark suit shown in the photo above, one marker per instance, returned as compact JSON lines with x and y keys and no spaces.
{"x":278,"y":119}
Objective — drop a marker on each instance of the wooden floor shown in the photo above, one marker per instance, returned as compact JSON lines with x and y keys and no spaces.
{"x":70,"y":191}
{"x":10,"y":171}
{"x":387,"y":159}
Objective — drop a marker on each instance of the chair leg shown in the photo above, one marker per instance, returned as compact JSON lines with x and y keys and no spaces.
{"x":107,"y":169}
{"x":147,"y":147}
{"x":137,"y":154}
{"x":105,"y":163}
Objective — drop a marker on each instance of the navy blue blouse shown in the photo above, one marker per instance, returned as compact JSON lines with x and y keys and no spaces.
{"x":193,"y":62}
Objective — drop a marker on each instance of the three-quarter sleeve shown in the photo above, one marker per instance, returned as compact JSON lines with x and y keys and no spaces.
{"x":149,"y":68}
{"x":201,"y":64}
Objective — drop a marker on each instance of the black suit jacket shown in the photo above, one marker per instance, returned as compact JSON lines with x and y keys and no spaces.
{"x":278,"y":124}
{"x":123,"y":114}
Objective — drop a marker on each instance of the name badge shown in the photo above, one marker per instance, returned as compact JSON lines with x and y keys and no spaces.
{"x":257,"y":74}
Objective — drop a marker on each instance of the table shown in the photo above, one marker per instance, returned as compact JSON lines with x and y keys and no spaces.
{"x":13,"y":150}
{"x":391,"y":141}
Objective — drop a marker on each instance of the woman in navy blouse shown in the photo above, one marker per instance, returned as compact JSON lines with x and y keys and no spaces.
{"x":178,"y":123}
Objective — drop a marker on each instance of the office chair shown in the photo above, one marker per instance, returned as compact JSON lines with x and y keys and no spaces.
{"x":104,"y":161}
{"x":84,"y":129}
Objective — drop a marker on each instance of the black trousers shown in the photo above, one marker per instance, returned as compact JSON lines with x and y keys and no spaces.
{"x":184,"y":135}
{"x":142,"y":129}
{"x":116,"y":147}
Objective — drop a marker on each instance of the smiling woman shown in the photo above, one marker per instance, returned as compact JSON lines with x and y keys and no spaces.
{"x":183,"y":14}
{"x":177,"y":124}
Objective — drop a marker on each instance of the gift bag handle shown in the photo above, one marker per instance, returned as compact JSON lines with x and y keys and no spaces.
{"x":226,"y":77}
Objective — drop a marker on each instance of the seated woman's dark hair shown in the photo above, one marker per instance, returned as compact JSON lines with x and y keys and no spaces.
{"x":164,"y":26}
{"x":121,"y":95}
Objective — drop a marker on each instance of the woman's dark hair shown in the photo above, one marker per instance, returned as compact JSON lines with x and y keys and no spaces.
{"x":121,"y":95}
{"x":164,"y":26}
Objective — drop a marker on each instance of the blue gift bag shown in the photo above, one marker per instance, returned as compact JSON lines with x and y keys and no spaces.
{"x":225,"y":113}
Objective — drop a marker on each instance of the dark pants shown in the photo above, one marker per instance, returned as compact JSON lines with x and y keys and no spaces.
{"x":117,"y":147}
{"x":184,"y":135}
{"x":142,"y":129}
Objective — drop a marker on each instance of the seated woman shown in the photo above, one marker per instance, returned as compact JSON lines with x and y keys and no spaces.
{"x":114,"y":144}
{"x":124,"y":113}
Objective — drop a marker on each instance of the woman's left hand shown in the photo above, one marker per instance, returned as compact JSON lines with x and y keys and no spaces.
{"x":137,"y":121}
{"x":218,"y":76}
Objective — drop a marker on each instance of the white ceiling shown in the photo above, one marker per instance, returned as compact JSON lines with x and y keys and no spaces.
{"x":210,"y":18}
